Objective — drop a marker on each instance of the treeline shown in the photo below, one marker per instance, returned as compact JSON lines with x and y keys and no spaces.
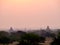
{"x":29,"y":38}
{"x":22,"y":37}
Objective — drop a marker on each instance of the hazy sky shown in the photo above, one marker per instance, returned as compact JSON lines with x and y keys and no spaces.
{"x":29,"y":13}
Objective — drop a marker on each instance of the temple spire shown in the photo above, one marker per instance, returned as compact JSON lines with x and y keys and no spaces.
{"x":48,"y":28}
{"x":11,"y":29}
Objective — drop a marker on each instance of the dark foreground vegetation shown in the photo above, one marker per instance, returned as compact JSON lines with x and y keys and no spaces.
{"x":22,"y":37}
{"x":29,"y":38}
{"x":56,"y":40}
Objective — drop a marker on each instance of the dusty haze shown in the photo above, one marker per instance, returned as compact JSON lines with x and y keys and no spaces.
{"x":29,"y":13}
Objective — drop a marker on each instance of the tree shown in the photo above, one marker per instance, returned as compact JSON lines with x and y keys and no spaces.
{"x":4,"y":33}
{"x":31,"y":39}
{"x":15,"y":36}
{"x":56,"y":40}
{"x":4,"y":40}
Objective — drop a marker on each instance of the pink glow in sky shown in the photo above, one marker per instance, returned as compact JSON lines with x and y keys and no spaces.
{"x":29,"y":13}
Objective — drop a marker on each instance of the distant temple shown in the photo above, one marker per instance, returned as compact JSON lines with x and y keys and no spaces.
{"x":48,"y":29}
{"x":11,"y":29}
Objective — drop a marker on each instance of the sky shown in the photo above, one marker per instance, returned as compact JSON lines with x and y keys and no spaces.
{"x":32,"y":14}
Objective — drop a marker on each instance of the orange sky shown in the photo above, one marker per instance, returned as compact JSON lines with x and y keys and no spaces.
{"x":29,"y":13}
